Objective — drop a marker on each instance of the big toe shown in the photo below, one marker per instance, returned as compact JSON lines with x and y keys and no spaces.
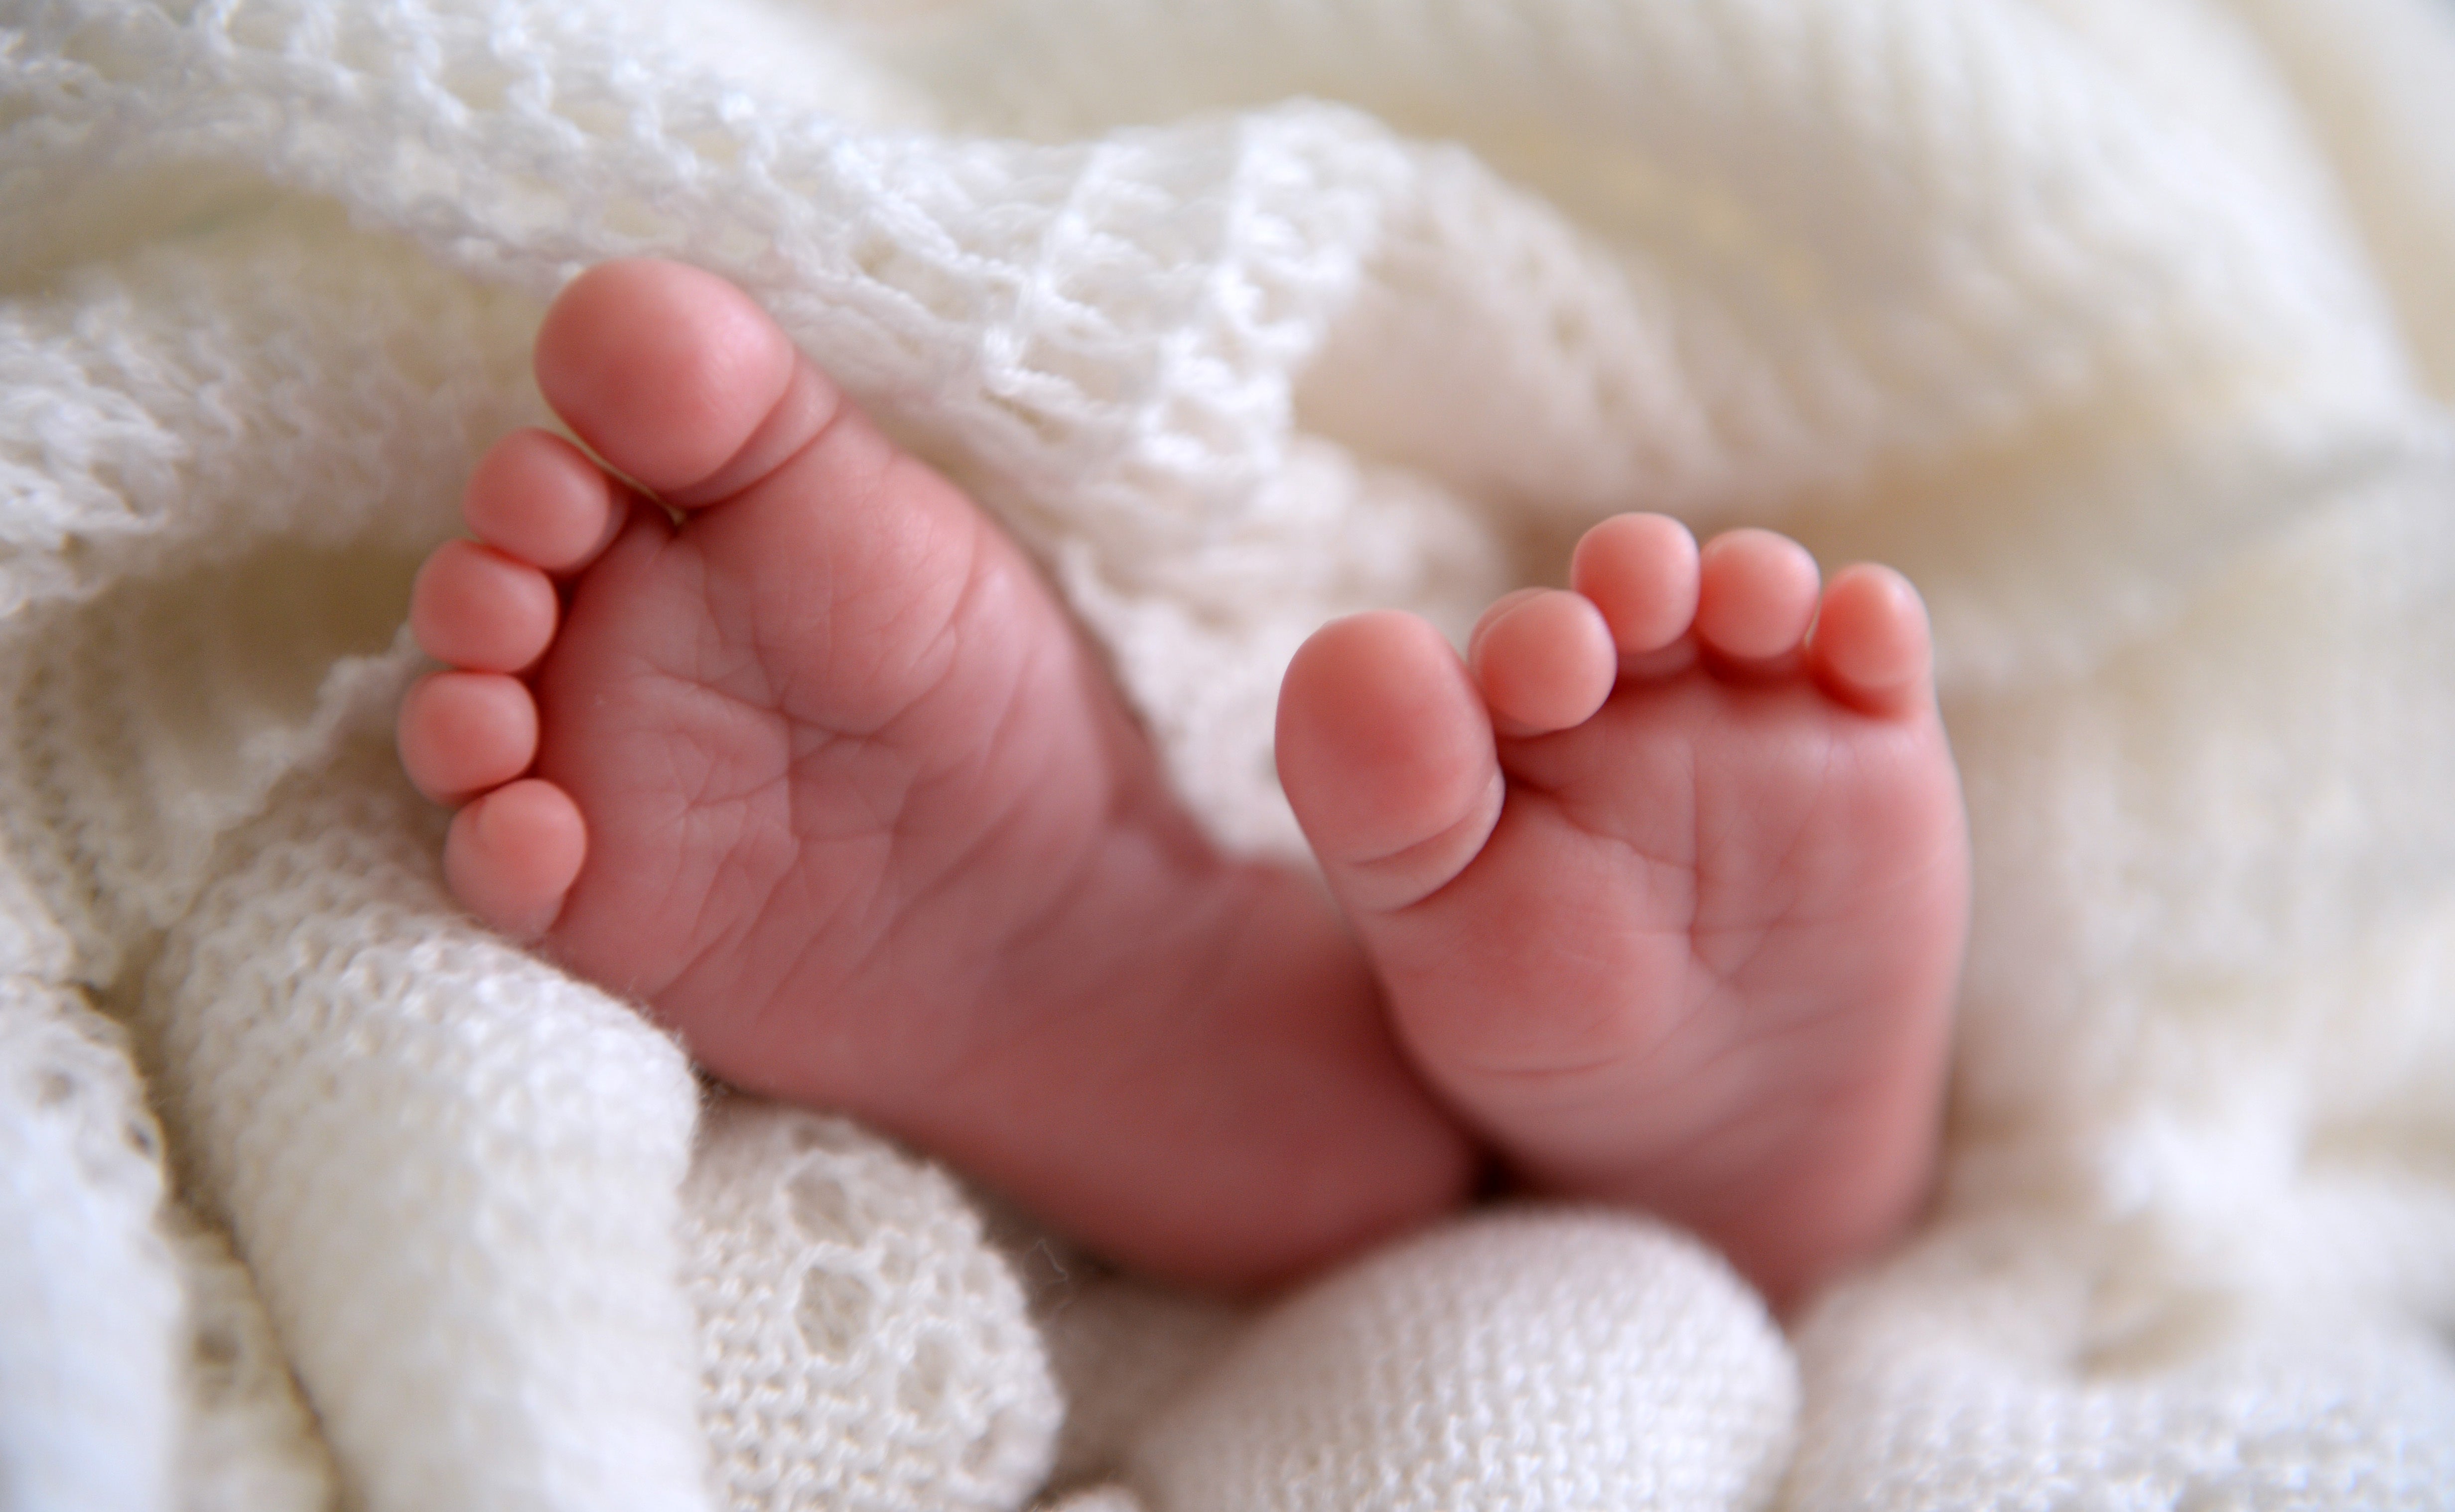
{"x":1385,"y":755}
{"x":676,"y":377}
{"x":1872,"y":647}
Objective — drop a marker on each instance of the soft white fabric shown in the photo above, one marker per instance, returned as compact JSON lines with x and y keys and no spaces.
{"x":89,"y":1388}
{"x":2124,"y":326}
{"x":1515,"y":1360}
{"x":861,"y":1347}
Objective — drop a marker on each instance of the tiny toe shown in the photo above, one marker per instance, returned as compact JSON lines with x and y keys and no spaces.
{"x":465,"y":732}
{"x":1755,"y":598}
{"x":1641,"y":571}
{"x":513,"y":855}
{"x":537,"y":499}
{"x":1873,"y":647}
{"x":480,"y":610}
{"x":1385,"y":755}
{"x":1545,"y":660}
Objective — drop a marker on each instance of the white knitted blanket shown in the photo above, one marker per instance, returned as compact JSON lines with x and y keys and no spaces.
{"x":2126,"y":327}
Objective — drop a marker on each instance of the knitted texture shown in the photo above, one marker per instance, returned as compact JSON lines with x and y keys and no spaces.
{"x":370,"y":1097}
{"x":1121,"y":1348}
{"x":1518,"y":1361}
{"x":250,"y":1443}
{"x":1996,"y":1350}
{"x":861,"y":1347}
{"x":139,"y":1367}
{"x":2122,"y":325}
{"x":88,"y":1373}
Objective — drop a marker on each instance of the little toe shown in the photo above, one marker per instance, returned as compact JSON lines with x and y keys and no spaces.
{"x":537,"y":499}
{"x":1385,"y":755}
{"x":482,"y":610}
{"x":1873,"y":647}
{"x":1755,"y":598}
{"x":1641,"y":571}
{"x":462,"y":733}
{"x":512,"y":856}
{"x":1545,"y":660}
{"x":677,"y":379}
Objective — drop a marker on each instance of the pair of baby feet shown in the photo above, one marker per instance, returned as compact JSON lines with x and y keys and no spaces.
{"x":1657,"y":897}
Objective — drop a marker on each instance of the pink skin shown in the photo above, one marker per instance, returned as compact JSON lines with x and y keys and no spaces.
{"x":1666,"y":884}
{"x":824,"y":777}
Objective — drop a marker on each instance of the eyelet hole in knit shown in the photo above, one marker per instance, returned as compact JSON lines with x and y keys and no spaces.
{"x":1092,"y":379}
{"x":482,"y":89}
{"x":1046,"y":428}
{"x":992,"y":1446}
{"x":599,"y":118}
{"x":717,"y":150}
{"x":630,"y":217}
{"x":833,"y":1312}
{"x":938,"y":291}
{"x":822,"y":1208}
{"x":216,"y":1353}
{"x":924,"y":1384}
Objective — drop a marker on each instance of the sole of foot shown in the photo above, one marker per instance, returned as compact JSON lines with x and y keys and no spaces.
{"x":754,"y":719}
{"x":1666,"y":880}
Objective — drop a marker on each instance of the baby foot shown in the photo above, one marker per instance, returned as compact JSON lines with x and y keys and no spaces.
{"x":803,"y":755}
{"x":1666,"y":881}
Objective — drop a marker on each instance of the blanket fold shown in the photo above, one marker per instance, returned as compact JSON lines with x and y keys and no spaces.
{"x":2121,"y":325}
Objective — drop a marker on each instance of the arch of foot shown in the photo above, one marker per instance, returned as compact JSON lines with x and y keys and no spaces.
{"x":1534,"y":1358}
